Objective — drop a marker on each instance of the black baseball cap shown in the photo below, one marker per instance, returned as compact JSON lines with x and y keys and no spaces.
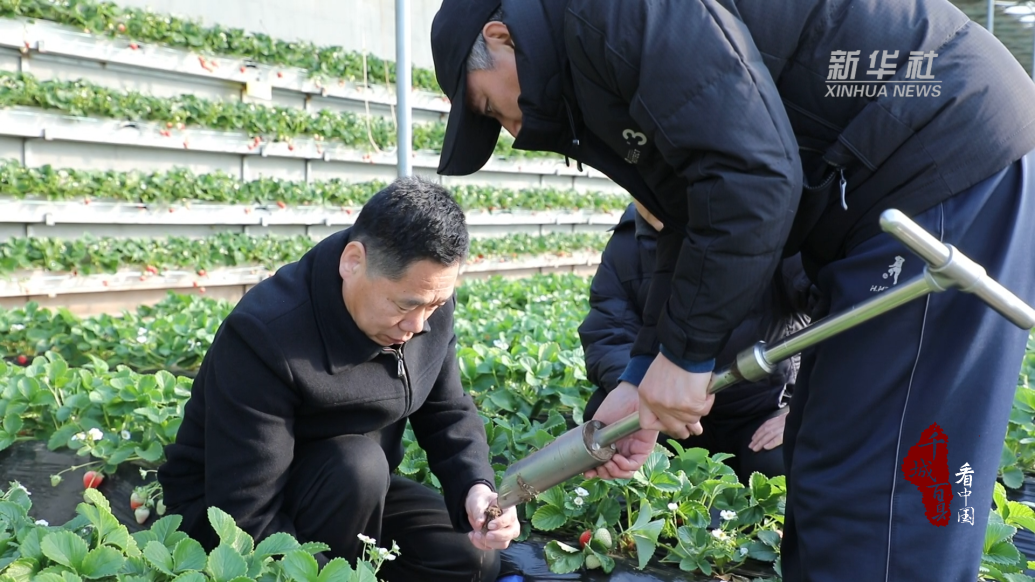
{"x":470,"y":137}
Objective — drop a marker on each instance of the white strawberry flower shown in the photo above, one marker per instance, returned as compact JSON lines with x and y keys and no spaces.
{"x":581,"y":492}
{"x":673,"y":506}
{"x":727,"y":515}
{"x":578,"y":501}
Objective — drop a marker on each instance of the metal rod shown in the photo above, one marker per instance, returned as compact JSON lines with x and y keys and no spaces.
{"x":991,"y":16}
{"x":404,"y":131}
{"x":831,"y":326}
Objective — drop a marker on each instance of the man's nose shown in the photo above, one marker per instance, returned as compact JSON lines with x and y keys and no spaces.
{"x":413,"y":323}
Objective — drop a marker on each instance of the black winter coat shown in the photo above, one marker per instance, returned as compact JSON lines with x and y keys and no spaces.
{"x":618,"y":296}
{"x":714,"y":114}
{"x":289,"y":367}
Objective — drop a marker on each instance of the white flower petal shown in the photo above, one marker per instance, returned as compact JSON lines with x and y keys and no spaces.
{"x":673,"y":506}
{"x":42,"y":522}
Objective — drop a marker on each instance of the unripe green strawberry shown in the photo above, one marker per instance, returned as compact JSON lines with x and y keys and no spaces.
{"x":603,"y":537}
{"x":142,"y":513}
{"x":592,"y":562}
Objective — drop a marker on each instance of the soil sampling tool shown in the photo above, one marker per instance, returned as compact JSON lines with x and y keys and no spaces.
{"x":592,"y":444}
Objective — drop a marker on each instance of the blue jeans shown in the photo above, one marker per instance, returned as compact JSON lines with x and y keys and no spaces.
{"x":863,"y":398}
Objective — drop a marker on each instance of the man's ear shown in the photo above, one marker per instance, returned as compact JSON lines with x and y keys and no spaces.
{"x":353,"y":260}
{"x":496,"y":34}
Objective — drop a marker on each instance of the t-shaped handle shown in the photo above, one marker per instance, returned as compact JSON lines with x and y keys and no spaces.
{"x":951,"y":268}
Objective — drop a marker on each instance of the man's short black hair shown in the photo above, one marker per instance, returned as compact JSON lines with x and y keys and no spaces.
{"x":411,"y":219}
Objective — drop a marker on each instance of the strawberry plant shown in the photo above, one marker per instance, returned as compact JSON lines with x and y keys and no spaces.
{"x":106,"y":18}
{"x":1018,"y":455}
{"x":181,"y":185}
{"x":268,"y":123}
{"x":683,"y":507}
{"x":95,"y":546}
{"x":91,"y":255}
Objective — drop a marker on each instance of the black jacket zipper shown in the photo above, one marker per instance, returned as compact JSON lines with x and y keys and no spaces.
{"x":400,"y":371}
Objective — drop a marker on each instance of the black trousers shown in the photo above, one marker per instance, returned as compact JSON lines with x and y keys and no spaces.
{"x":724,"y":435}
{"x":341,"y":487}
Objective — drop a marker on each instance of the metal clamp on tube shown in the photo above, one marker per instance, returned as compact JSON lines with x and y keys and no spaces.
{"x":591,"y":445}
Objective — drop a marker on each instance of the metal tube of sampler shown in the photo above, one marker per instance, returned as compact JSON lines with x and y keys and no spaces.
{"x":572,"y":453}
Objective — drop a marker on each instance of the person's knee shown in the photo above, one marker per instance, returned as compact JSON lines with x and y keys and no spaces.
{"x":357,"y":465}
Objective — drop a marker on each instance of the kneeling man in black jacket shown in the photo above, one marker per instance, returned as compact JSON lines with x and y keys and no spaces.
{"x":296,"y":418}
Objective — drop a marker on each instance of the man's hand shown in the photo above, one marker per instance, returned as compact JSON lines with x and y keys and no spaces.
{"x":673,"y":400}
{"x":634,"y":449}
{"x":770,"y":434}
{"x":501,"y":530}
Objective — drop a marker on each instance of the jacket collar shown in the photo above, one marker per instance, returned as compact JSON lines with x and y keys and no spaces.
{"x":345,"y":345}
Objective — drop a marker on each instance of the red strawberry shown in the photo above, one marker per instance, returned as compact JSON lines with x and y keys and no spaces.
{"x":202,"y":273}
{"x":143,"y":278}
{"x":280,"y":75}
{"x":86,"y":201}
{"x":22,"y":360}
{"x":92,"y":479}
{"x":201,"y":290}
{"x":169,"y":124}
{"x":281,"y":204}
{"x":291,"y":147}
{"x":142,"y":513}
{"x":135,"y":500}
{"x":133,"y":46}
{"x":121,"y":27}
{"x":584,"y":538}
{"x":242,"y":69}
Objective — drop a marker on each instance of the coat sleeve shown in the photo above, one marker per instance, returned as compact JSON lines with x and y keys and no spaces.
{"x":697,"y":87}
{"x":451,"y":432}
{"x":249,"y":426}
{"x":610,"y":327}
